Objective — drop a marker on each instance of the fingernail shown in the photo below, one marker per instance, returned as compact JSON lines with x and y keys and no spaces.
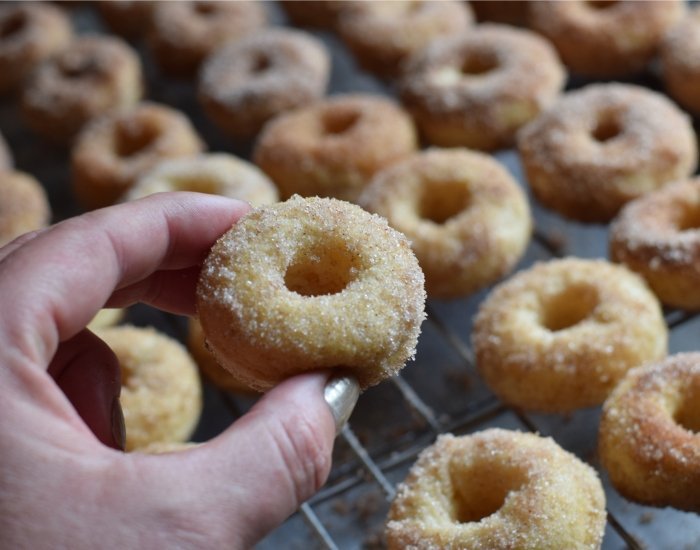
{"x":341,"y":393}
{"x":118,"y":427}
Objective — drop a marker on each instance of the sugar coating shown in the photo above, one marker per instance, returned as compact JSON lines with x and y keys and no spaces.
{"x":650,"y":455}
{"x":559,"y":336}
{"x":551,"y":500}
{"x":24,"y":205}
{"x":363,"y":313}
{"x":680,"y":61}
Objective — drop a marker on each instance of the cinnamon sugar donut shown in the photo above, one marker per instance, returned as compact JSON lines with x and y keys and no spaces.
{"x":559,"y":336}
{"x":248,"y":82}
{"x":607,"y":38}
{"x":497,"y":489}
{"x":107,"y":317}
{"x":658,"y":236}
{"x":215,"y":174}
{"x":184,"y":33}
{"x":5,"y":155}
{"x":648,"y":440}
{"x":680,"y":61}
{"x":604,"y":145}
{"x":467,"y":219}
{"x":161,"y":393}
{"x":333,"y":148}
{"x":477,"y":89}
{"x":92,"y":75}
{"x":116,"y":148}
{"x":30,"y":32}
{"x":129,"y":18}
{"x":383,"y":33}
{"x":311,"y":284}
{"x":24,"y":205}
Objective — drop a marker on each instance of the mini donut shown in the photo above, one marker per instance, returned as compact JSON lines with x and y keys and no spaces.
{"x":311,"y":284}
{"x":605,"y":38}
{"x":30,"y":32}
{"x":559,"y":336}
{"x":478,"y":88}
{"x":107,"y":317}
{"x":383,"y":33}
{"x":129,"y":18}
{"x":509,"y":12}
{"x":680,"y":61}
{"x":602,"y":146}
{"x":91,"y":76}
{"x":184,"y":33}
{"x":249,"y":81}
{"x":24,"y":205}
{"x":658,"y":236}
{"x":467,"y":219}
{"x":114,"y":150}
{"x":215,"y":174}
{"x":649,"y":440}
{"x":5,"y":155}
{"x":334,"y":147}
{"x":314,"y":13}
{"x":497,"y":489}
{"x":161,"y":393}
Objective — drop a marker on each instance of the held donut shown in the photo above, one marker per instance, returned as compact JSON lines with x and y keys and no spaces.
{"x":467,"y":219}
{"x":129,"y":18}
{"x":559,"y":336}
{"x":497,"y":489}
{"x":248,"y":82}
{"x":107,"y":317}
{"x":603,"y":145}
{"x":648,"y":440}
{"x":118,"y":147}
{"x":161,"y":393}
{"x":91,"y":76}
{"x":310,"y":284}
{"x":680,"y":61}
{"x":478,"y":88}
{"x":605,"y":39}
{"x":334,"y":147}
{"x":24,"y":205}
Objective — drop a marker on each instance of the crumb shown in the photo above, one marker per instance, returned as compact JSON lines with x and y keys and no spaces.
{"x":646,"y":518}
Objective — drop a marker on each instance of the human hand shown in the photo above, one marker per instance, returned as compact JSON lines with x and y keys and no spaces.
{"x":62,"y":483}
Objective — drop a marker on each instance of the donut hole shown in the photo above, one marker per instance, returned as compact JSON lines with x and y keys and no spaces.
{"x":689,"y":218}
{"x":12,"y":25}
{"x":442,"y":201}
{"x":688,"y":412}
{"x":132,"y":139}
{"x":601,"y":5}
{"x":478,"y":65}
{"x":260,"y":63}
{"x":607,"y":127}
{"x":339,"y":122}
{"x":568,"y":307}
{"x":76,"y":66}
{"x":322,"y":269}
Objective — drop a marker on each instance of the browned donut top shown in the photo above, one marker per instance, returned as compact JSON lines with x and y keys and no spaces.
{"x":680,"y":49}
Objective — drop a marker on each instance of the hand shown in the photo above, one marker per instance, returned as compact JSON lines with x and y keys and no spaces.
{"x":62,"y":481}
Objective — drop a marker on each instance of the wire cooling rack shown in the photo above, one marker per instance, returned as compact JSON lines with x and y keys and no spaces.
{"x":439,"y":392}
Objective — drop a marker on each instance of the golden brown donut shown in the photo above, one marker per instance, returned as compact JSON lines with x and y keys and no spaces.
{"x":107,"y":317}
{"x":114,"y":150}
{"x":30,"y":32}
{"x":24,"y":205}
{"x":608,"y":38}
{"x":311,"y":284}
{"x":467,"y":219}
{"x":383,"y":33}
{"x":129,"y":18}
{"x":214,"y":174}
{"x":314,"y":13}
{"x":161,"y":392}
{"x":559,"y":336}
{"x":184,"y":33}
{"x":5,"y":155}
{"x":92,"y":75}
{"x":248,"y":82}
{"x":680,"y":61}
{"x":333,"y":148}
{"x":648,"y":440}
{"x":603,"y":145}
{"x":478,"y":88}
{"x":497,"y":489}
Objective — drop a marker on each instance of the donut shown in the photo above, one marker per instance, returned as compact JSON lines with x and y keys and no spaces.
{"x":24,"y":205}
{"x":161,"y":448}
{"x":680,"y":61}
{"x":30,"y":32}
{"x":334,"y":147}
{"x":559,"y":336}
{"x":184,"y":33}
{"x":605,"y":38}
{"x":509,"y":12}
{"x":311,"y":284}
{"x":116,"y":148}
{"x":248,"y":82}
{"x":383,"y":33}
{"x":5,"y":155}
{"x":603,"y":145}
{"x":92,"y":75}
{"x":658,"y":236}
{"x":478,"y":88}
{"x":467,"y":219}
{"x":107,"y":317}
{"x":161,"y":393}
{"x":129,"y":18}
{"x":314,"y":13}
{"x":214,"y":173}
{"x":649,"y":440}
{"x":497,"y":489}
